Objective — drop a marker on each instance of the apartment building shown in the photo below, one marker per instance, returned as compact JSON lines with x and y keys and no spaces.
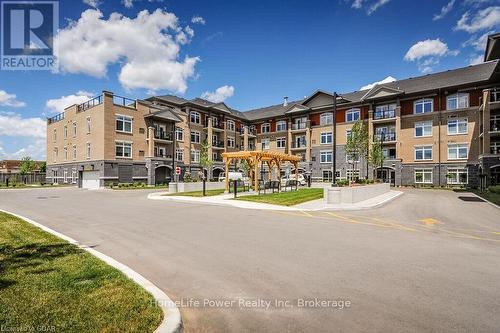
{"x":439,"y":129}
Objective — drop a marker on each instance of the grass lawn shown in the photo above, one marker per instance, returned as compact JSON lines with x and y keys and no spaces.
{"x":286,"y":198}
{"x":208,"y":193}
{"x":47,"y":284}
{"x":490,"y":196}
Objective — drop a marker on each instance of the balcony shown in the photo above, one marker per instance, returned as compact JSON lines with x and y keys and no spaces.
{"x":386,"y":114}
{"x":159,"y":155}
{"x":495,"y":95}
{"x":385,"y":137}
{"x":299,"y":145}
{"x":56,"y":118}
{"x":299,"y":126}
{"x":90,"y":104}
{"x":251,"y":131}
{"x":123,"y":101}
{"x":217,"y":144}
{"x":495,"y":148}
{"x":164,"y":136}
{"x":495,"y":126}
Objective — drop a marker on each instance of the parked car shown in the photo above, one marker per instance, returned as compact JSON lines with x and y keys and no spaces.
{"x":301,"y":179}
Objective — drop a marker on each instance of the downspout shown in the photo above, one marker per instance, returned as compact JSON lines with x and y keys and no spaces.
{"x":439,"y":137}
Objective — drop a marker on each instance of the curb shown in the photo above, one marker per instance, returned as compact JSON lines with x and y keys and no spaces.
{"x":172,"y":321}
{"x":491,"y":203}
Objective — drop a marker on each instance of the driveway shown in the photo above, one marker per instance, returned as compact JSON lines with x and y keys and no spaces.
{"x":427,"y":262}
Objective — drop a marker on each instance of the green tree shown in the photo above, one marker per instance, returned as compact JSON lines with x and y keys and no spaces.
{"x":27,"y":165}
{"x":205,"y":160}
{"x":357,"y":142}
{"x":42,"y":166}
{"x":376,"y":154}
{"x":245,"y":166}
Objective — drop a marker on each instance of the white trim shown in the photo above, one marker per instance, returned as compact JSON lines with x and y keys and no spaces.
{"x":327,"y":152}
{"x":267,"y":125}
{"x":457,"y":144}
{"x":172,"y":321}
{"x":281,"y":122}
{"x":422,"y":122}
{"x":457,"y":119}
{"x":352,"y":111}
{"x":423,"y":154}
{"x":423,"y":178}
{"x":423,"y":101}
{"x":326,"y":143}
{"x":124,"y":121}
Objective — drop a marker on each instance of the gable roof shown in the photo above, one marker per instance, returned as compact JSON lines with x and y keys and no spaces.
{"x":376,"y":90}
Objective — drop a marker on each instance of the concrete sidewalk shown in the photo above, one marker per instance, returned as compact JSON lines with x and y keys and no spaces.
{"x":315,"y":205}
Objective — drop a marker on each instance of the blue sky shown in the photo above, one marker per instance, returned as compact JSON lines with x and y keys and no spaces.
{"x":248,"y":53}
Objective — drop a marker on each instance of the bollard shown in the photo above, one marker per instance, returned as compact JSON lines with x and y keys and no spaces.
{"x":235,"y":187}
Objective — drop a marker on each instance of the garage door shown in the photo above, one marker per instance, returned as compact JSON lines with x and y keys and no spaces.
{"x":90,"y":180}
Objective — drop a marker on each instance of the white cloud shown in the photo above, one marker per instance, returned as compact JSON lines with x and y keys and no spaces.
{"x":92,"y":3}
{"x":358,"y":4}
{"x":477,"y":59}
{"x":147,"y":46}
{"x":484,"y":19}
{"x":427,"y":54}
{"x":58,"y":105}
{"x":198,"y":20}
{"x":478,"y":43}
{"x":376,"y":6}
{"x":128,"y":3}
{"x":219,"y":95}
{"x":34,"y":148}
{"x":7,"y":99}
{"x":15,"y":125}
{"x":444,"y":10}
{"x":371,"y":85}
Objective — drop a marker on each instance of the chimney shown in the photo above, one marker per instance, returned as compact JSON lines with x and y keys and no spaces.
{"x":285,"y":101}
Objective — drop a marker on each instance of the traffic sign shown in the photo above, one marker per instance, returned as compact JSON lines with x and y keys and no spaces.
{"x":177,"y":170}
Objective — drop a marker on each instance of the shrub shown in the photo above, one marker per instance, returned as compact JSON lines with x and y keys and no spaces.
{"x":342,"y":182}
{"x":494,"y":189}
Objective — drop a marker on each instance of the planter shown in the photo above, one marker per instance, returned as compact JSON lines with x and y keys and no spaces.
{"x":197,"y":186}
{"x":350,"y":195}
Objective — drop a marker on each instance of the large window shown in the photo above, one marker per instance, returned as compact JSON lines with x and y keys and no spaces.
{"x":423,"y":128}
{"x":457,"y":126}
{"x":179,"y":154}
{"x":195,"y":156}
{"x":195,"y":137}
{"x":325,"y":157}
{"x":326,"y":118}
{"x":281,"y":126}
{"x":423,"y":106}
{"x":89,"y":124}
{"x":123,"y":124}
{"x":352,"y":115}
{"x":74,"y":129}
{"x":423,"y":153}
{"x":55,"y":154}
{"x":385,"y":111}
{"x":280,"y":142}
{"x":179,"y":134}
{"x":423,"y":176}
{"x":74,"y":152}
{"x":458,"y":151}
{"x":230,"y":142}
{"x":230,"y":125}
{"x":65,"y":132}
{"x":65,"y":153}
{"x":123,"y":149}
{"x":265,"y":143}
{"x":265,"y":128}
{"x":457,"y":101}
{"x":89,"y":150}
{"x":351,"y":174}
{"x":194,"y":117}
{"x":54,"y":136}
{"x":457,"y":176}
{"x":326,"y":138}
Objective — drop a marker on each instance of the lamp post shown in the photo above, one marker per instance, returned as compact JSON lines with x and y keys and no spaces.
{"x":334,"y":149}
{"x":173,"y":153}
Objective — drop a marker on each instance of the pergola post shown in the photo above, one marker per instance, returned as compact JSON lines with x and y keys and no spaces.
{"x":256,"y":176}
{"x":228,"y":161}
{"x":296,"y":174}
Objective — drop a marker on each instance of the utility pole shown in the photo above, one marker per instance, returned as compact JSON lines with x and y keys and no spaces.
{"x":334,"y":134}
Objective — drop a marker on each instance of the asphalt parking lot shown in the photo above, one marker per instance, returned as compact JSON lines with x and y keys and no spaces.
{"x":427,"y":262}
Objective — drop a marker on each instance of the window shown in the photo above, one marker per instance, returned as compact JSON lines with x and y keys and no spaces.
{"x":348,"y":134}
{"x":195,"y":137}
{"x":457,"y":101}
{"x":65,"y":131}
{"x":325,"y":157}
{"x":352,"y":115}
{"x":230,"y":125}
{"x":55,"y":135}
{"x":74,"y":129}
{"x":281,"y":126}
{"x":423,"y":176}
{"x":423,"y":153}
{"x":65,"y":153}
{"x":457,"y":126}
{"x":195,"y":156}
{"x":265,"y":143}
{"x":423,"y":106}
{"x":215,"y":156}
{"x":179,"y":134}
{"x":385,"y":111}
{"x":326,"y":118}
{"x":265,"y":128}
{"x":65,"y":175}
{"x":352,"y":174}
{"x":457,"y":176}
{"x":230,"y":142}
{"x":123,"y":149}
{"x":194,"y":117}
{"x":74,"y":176}
{"x":326,"y":138}
{"x":458,"y":151}
{"x":280,"y":142}
{"x":55,"y":154}
{"x":351,"y":158}
{"x":423,"y":128}
{"x":89,"y":123}
{"x":89,"y":150}
{"x":74,"y":152}
{"x":124,"y":124}
{"x":179,"y":154}
{"x":495,"y":148}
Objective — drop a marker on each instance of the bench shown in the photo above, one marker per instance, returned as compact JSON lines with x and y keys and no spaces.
{"x":292,"y":184}
{"x":269,"y":185}
{"x":239,"y":184}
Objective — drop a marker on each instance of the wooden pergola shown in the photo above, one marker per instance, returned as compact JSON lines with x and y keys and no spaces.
{"x":255,"y":158}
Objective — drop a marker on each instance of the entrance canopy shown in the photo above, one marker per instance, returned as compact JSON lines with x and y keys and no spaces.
{"x":255,"y":158}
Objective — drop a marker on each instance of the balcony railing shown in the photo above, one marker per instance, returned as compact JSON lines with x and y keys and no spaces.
{"x":299,"y":145}
{"x":495,"y":95}
{"x":163,"y":136}
{"x":495,"y":148}
{"x":386,"y":114}
{"x":495,"y":125}
{"x":90,"y":104}
{"x":123,"y":101}
{"x":218,"y":144}
{"x":163,"y":156}
{"x":251,"y":131}
{"x":56,"y":118}
{"x":385,"y":137}
{"x":299,"y":126}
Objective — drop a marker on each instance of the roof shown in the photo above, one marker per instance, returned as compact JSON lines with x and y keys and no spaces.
{"x":492,"y":50}
{"x":164,"y":113}
{"x":451,"y":79}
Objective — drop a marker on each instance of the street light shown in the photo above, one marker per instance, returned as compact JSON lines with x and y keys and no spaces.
{"x":334,"y":149}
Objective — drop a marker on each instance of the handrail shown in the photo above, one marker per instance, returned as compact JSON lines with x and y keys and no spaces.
{"x":56,"y":118}
{"x":386,"y":114}
{"x":89,"y":104}
{"x":124,"y":101}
